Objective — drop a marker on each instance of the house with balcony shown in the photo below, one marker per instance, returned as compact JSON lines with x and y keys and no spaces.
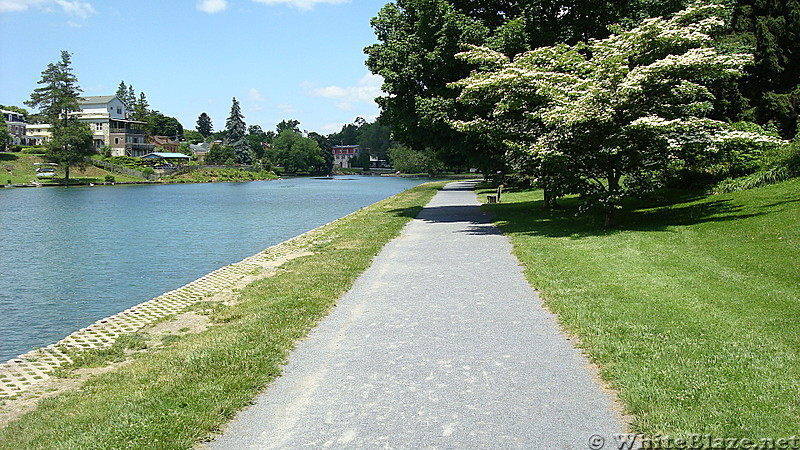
{"x":37,"y":133}
{"x":343,"y":153}
{"x":107,"y":117}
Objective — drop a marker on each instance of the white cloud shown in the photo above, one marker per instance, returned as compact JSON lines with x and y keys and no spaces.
{"x":73,"y":8}
{"x":365,"y":91}
{"x":332,"y":127}
{"x":212,"y":6}
{"x":254,"y":95}
{"x":287,"y":108}
{"x":77,"y":8}
{"x":19,"y":5}
{"x":255,"y":99}
{"x":301,"y":4}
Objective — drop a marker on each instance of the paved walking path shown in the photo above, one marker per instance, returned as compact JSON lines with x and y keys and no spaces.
{"x":441,"y":343}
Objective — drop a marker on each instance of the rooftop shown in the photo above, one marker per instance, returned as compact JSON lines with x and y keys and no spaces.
{"x":165,"y":155}
{"x":96,"y":99}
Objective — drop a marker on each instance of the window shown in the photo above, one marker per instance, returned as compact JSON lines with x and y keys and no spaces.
{"x":98,"y":126}
{"x":116,"y":140}
{"x":119,"y":110}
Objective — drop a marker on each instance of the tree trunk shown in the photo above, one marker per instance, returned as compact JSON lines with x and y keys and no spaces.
{"x":613,"y":188}
{"x":609,"y":218}
{"x":550,"y":199}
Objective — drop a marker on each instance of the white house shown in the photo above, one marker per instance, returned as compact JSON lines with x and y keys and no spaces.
{"x":107,"y":117}
{"x":343,"y":153}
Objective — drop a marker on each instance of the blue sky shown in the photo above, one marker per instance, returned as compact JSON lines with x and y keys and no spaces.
{"x":282,"y":59}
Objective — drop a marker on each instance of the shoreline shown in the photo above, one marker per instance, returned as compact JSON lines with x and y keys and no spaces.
{"x":186,"y":375}
{"x":27,"y":371}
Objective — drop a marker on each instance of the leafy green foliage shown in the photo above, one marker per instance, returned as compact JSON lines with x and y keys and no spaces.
{"x":407,"y":160}
{"x":161,"y":125}
{"x":222,"y":175}
{"x":256,"y":138}
{"x":778,"y":165}
{"x":192,"y":136}
{"x":418,"y":41}
{"x":5,"y":135}
{"x":415,"y":56}
{"x":610,"y":118}
{"x":772,"y":29}
{"x":292,"y":125}
{"x":220,"y":154}
{"x":297,"y":153}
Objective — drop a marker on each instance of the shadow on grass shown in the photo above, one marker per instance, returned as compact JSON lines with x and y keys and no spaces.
{"x":8,"y":157}
{"x":674,"y":208}
{"x":656,"y":215}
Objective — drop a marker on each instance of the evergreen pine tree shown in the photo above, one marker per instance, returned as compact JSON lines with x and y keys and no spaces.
{"x":122,"y":92}
{"x":58,"y":96}
{"x":204,"y":125}
{"x":772,"y":85}
{"x":130,"y":99}
{"x":235,"y":130}
{"x":57,"y":100}
{"x":141,"y":110}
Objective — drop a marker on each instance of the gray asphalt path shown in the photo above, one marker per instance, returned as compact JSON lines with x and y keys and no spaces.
{"x":440,"y":344}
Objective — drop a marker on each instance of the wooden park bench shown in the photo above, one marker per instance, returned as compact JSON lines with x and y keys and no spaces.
{"x":495,"y":198}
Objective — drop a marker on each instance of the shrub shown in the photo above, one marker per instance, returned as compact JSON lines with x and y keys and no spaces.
{"x":148,"y":171}
{"x":777,"y":165}
{"x":110,"y":179}
{"x":126,"y":161}
{"x":37,"y":150}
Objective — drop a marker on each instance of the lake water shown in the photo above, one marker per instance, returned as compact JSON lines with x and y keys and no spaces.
{"x":71,"y":256}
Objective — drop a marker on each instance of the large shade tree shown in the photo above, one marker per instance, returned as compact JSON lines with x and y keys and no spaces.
{"x":57,"y":101}
{"x":609,"y":118}
{"x":417,"y":42}
{"x":415,"y":56}
{"x":297,"y":153}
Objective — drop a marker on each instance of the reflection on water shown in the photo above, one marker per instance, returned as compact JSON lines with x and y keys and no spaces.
{"x":70,"y":256}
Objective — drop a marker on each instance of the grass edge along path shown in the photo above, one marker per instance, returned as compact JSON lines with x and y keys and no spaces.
{"x":691,"y":308}
{"x":182,"y":393}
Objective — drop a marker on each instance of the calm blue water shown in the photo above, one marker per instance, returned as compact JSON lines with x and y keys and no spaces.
{"x":71,"y":256}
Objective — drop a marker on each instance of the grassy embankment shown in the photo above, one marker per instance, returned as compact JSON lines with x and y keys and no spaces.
{"x":179,"y":393}
{"x":218,"y":175}
{"x":691,"y":308}
{"x":19,"y":169}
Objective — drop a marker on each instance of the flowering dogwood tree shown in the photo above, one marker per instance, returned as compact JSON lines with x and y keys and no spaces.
{"x":608,"y":118}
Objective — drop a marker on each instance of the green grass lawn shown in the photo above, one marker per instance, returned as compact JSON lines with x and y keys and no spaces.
{"x":18,"y":168}
{"x":178,"y":394}
{"x":691,"y":308}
